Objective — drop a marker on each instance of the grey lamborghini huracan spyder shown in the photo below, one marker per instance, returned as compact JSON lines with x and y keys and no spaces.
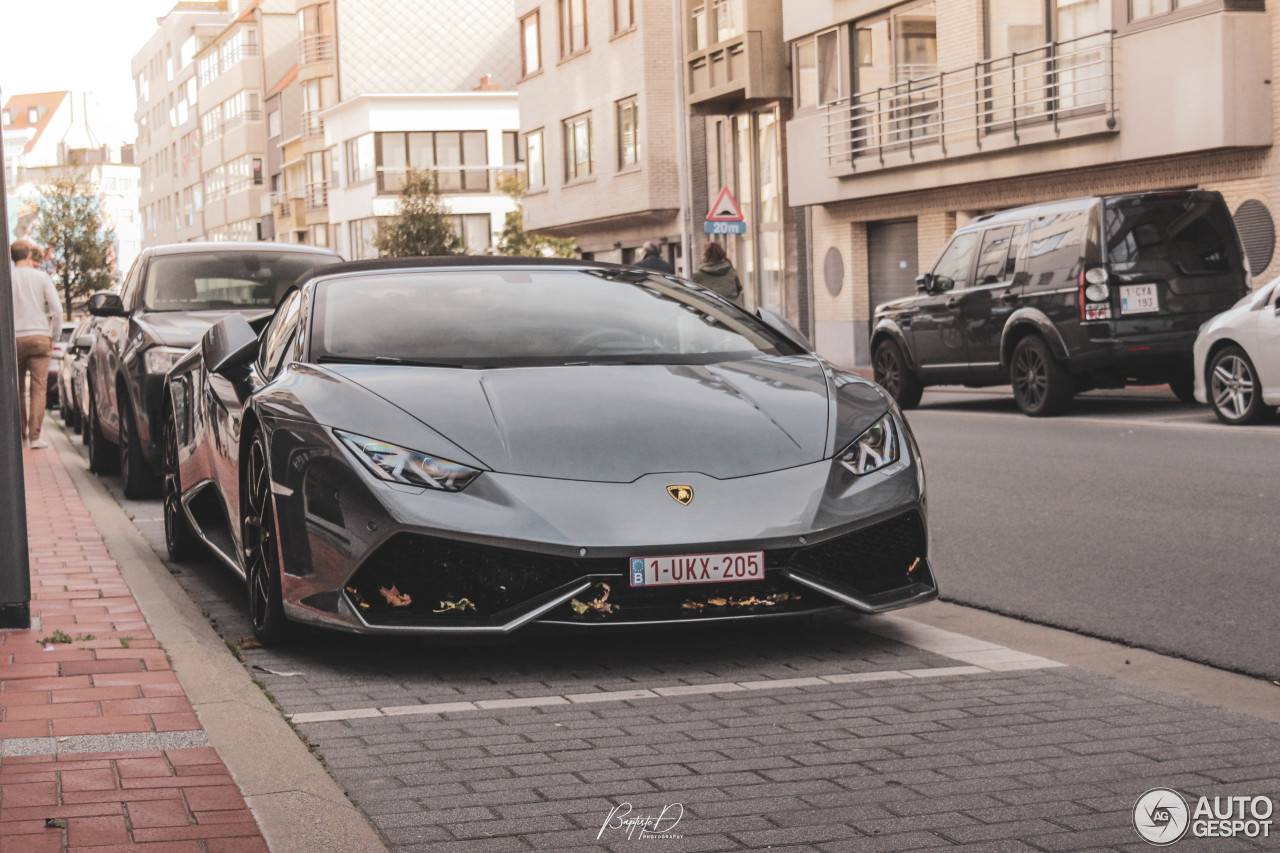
{"x":477,"y":444}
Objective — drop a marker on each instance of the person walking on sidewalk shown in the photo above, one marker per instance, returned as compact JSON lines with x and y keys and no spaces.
{"x":652,"y":259}
{"x":37,"y":316}
{"x":716,"y":273}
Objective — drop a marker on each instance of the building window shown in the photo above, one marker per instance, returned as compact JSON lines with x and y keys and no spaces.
{"x":530,"y":43}
{"x":577,"y":147}
{"x":535,"y":159}
{"x":818,"y":63}
{"x":475,"y":230}
{"x":628,"y":133}
{"x":511,"y":153}
{"x":33,"y":115}
{"x":459,"y":157}
{"x":273,"y":124}
{"x":898,"y":47}
{"x":698,"y":28}
{"x":1139,"y":9}
{"x":573,"y":26}
{"x":362,"y":233}
{"x":360,"y":160}
{"x":8,"y":118}
{"x":624,"y":15}
{"x":728,"y":19}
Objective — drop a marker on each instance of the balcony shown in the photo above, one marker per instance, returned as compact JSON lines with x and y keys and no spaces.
{"x":452,"y":179}
{"x":741,"y":54}
{"x":315,"y":48}
{"x":312,"y":124}
{"x":286,"y":205}
{"x":316,"y":195}
{"x":1025,"y":97}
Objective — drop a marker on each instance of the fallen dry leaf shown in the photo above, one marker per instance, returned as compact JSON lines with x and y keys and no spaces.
{"x":250,"y":643}
{"x":462,"y":604}
{"x":717,"y":602}
{"x":355,"y":593}
{"x":395,"y":597}
{"x":913,"y":566}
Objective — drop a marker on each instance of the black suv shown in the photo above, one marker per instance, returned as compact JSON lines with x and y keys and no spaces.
{"x":1064,"y":297}
{"x":170,"y":297}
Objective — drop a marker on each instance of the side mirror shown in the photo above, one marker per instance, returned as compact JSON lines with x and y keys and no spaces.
{"x":782,"y":327}
{"x":229,"y":346}
{"x":941,"y":284}
{"x":104,"y":303}
{"x":84,"y":343}
{"x":924,"y":282}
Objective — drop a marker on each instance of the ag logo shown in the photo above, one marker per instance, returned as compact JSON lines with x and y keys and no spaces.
{"x":1161,"y":816}
{"x":682,"y":494}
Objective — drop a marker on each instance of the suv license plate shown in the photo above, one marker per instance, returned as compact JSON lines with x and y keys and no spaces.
{"x":1138,"y":299}
{"x":697,"y":568}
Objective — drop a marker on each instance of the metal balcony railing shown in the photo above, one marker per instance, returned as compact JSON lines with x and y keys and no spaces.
{"x":1007,"y":94}
{"x":245,"y":117}
{"x":315,"y":48}
{"x":452,"y":179}
{"x":312,"y":124}
{"x":282,"y":202}
{"x":316,"y":195}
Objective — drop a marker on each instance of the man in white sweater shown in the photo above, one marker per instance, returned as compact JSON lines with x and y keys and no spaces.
{"x":37,"y":316}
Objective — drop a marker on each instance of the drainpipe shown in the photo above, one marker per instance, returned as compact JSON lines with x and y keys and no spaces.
{"x":682,"y":143}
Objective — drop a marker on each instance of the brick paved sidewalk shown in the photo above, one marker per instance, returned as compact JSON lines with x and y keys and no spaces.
{"x":99,"y":747}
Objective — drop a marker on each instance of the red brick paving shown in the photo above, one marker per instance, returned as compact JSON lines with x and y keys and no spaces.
{"x":146,"y":801}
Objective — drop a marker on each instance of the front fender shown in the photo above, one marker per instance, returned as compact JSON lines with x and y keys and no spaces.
{"x":889,"y":328}
{"x":1018,"y":324}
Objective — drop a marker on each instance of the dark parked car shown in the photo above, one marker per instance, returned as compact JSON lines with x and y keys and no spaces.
{"x":171,"y":295}
{"x":53,"y":390}
{"x":71,"y":371}
{"x":470,"y":445}
{"x":1064,"y":297}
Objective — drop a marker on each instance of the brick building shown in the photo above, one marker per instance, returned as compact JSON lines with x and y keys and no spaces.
{"x":911,"y":118}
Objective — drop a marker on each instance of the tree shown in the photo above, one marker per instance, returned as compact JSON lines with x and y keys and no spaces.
{"x":515,"y":240}
{"x":80,"y":249}
{"x":422,"y":224}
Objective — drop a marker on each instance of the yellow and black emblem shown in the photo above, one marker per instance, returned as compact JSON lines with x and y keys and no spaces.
{"x":682,"y":494}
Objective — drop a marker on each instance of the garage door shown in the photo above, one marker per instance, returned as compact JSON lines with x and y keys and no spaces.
{"x":891,"y":260}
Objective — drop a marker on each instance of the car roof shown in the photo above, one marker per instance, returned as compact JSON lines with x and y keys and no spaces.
{"x":1032,"y":211}
{"x":455,"y":261}
{"x":228,"y":246}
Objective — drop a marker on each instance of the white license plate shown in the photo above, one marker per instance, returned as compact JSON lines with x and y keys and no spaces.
{"x":1138,"y":299}
{"x":697,"y":568}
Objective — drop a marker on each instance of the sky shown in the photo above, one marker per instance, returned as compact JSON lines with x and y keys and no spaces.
{"x":81,"y":46}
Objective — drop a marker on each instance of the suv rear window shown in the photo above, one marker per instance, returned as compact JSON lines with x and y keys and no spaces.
{"x":1194,"y":235}
{"x":203,"y":281}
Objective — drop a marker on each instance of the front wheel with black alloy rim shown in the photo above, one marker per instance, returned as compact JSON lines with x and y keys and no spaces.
{"x":103,"y":457}
{"x":1042,"y":387}
{"x":1234,"y":390}
{"x":179,"y":538}
{"x":1183,"y":386}
{"x":261,"y":550}
{"x":892,"y":374}
{"x":139,"y":482}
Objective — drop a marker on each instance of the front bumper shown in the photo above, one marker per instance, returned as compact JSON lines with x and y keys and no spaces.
{"x":519,"y":550}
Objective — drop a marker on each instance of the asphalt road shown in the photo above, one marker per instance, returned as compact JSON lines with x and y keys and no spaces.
{"x":1135,"y":518}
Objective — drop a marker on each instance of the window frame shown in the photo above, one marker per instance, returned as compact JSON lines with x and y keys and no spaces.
{"x":619,"y":28}
{"x":620,"y":107}
{"x":463,"y":169}
{"x":525,"y":70}
{"x":541,"y":148}
{"x":572,"y":173}
{"x":568,"y":49}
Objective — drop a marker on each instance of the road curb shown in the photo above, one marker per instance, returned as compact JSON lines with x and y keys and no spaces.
{"x":298,"y":805}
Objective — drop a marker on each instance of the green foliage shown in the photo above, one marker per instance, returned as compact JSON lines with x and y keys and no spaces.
{"x":515,"y":240}
{"x":70,"y":227}
{"x":422,"y":225}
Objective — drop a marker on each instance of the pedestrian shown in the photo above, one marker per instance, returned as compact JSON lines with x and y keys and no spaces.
{"x":37,"y":317}
{"x":716,"y":273}
{"x":652,"y":259}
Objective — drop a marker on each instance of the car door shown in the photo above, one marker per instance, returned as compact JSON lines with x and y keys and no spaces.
{"x":936,"y":338}
{"x":113,"y":338}
{"x":1265,"y":353}
{"x":984,"y":307}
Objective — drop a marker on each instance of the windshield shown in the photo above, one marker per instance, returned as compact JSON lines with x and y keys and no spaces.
{"x":520,"y":317}
{"x":205,"y":281}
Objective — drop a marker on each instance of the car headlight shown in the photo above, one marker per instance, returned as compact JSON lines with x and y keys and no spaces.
{"x":874,"y":449}
{"x":161,"y":359}
{"x":398,"y":465}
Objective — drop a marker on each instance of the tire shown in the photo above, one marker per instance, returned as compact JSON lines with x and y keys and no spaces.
{"x":1041,"y":386}
{"x":139,"y":481}
{"x":1183,"y":386}
{"x":1234,"y":390}
{"x":103,"y":457}
{"x":892,"y":374}
{"x":179,"y":538}
{"x":260,"y":535}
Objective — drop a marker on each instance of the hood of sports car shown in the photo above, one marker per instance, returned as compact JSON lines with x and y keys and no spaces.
{"x":615,"y":423}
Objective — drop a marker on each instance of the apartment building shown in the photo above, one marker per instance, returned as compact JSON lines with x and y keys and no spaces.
{"x":598,"y":119}
{"x":736,"y":72}
{"x":168,"y":144}
{"x":258,"y":45}
{"x":911,"y":118}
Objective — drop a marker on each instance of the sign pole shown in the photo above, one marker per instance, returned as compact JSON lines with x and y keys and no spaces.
{"x":15,"y":567}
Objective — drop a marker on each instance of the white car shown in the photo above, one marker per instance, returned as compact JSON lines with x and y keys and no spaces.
{"x":1237,"y":358}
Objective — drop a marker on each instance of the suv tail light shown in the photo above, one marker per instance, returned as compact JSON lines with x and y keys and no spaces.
{"x":1095,"y":295}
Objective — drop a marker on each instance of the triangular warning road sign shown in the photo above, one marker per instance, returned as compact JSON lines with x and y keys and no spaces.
{"x":725,"y":209}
